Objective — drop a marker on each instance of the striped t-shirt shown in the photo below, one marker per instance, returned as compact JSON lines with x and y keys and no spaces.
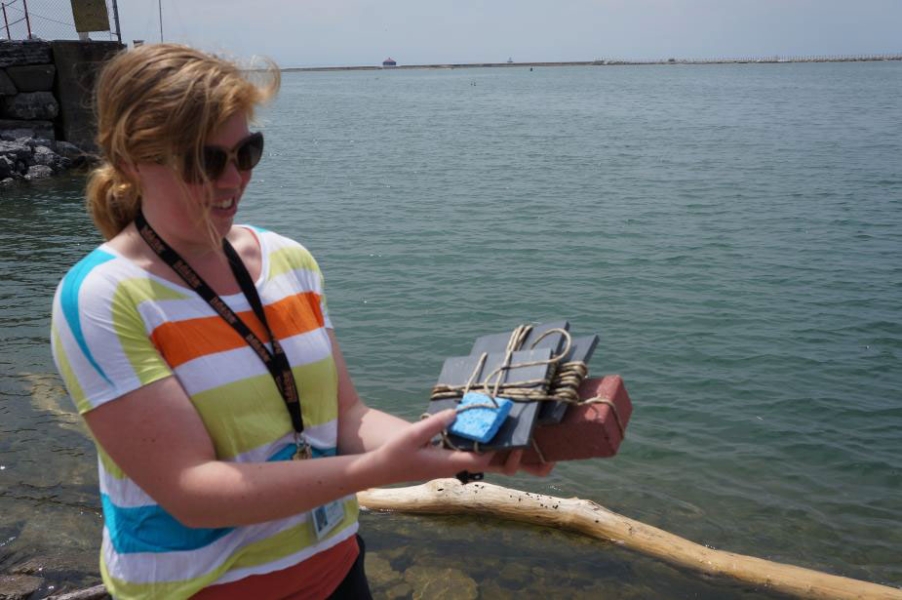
{"x":117,"y":327}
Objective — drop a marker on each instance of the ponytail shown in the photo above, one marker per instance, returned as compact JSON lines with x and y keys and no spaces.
{"x":113,"y":200}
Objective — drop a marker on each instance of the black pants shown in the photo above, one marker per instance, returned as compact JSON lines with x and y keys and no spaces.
{"x":354,"y":586}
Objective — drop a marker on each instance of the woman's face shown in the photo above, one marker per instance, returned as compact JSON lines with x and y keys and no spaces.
{"x":180,"y":207}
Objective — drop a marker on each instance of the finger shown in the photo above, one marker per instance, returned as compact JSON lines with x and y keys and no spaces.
{"x":423,"y":431}
{"x":470,"y":461}
{"x":513,"y":462}
{"x":499,"y":459}
{"x":482,"y":460}
{"x":541,"y":470}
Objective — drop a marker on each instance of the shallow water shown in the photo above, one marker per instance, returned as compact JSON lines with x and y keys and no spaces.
{"x":731,"y":232}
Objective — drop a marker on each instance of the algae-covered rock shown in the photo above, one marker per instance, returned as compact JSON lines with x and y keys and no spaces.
{"x":380,"y":573}
{"x":432,"y":583}
{"x":402,"y":590}
{"x":395,"y":552}
{"x":514,"y":573}
{"x":48,"y":395}
{"x":493,"y":590}
{"x":429,"y":558}
{"x":18,"y":587}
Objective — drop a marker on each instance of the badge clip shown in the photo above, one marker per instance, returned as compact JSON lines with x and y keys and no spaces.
{"x":303,"y":450}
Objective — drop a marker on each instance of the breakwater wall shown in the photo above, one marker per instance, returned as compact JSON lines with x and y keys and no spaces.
{"x":46,"y":119}
{"x":619,"y":62}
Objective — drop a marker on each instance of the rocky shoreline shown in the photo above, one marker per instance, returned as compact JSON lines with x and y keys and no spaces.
{"x":27,"y":157}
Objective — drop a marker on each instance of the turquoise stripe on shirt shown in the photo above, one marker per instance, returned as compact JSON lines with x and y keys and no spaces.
{"x":69,"y":301}
{"x":152,"y":529}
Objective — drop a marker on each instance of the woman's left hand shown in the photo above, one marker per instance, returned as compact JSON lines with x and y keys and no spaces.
{"x":512,"y":463}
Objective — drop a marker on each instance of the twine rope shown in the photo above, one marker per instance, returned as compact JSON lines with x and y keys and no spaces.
{"x":562,"y":386}
{"x":610,"y":404}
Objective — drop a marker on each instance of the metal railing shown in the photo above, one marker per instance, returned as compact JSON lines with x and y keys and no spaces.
{"x":48,"y":20}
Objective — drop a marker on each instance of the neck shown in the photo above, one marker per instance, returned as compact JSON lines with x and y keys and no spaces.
{"x":193,"y":246}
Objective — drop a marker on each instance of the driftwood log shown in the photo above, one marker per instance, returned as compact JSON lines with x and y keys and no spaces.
{"x":98,"y":592}
{"x":448,"y":496}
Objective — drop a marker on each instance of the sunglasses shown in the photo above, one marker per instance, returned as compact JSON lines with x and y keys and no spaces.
{"x":215,"y":160}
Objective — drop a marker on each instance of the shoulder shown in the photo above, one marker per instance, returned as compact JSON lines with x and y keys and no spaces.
{"x":96,"y":273}
{"x":104,"y":282}
{"x":283,"y":253}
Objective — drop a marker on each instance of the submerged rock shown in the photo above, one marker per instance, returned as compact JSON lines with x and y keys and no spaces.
{"x":379,"y":571}
{"x":436,"y":583}
{"x":384,"y":580}
{"x":18,"y":587}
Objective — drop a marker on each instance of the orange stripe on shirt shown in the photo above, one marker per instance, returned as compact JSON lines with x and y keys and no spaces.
{"x":316,"y":577}
{"x":182,"y":341}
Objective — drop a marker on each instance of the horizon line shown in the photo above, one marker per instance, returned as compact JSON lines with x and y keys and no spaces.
{"x":776,"y":59}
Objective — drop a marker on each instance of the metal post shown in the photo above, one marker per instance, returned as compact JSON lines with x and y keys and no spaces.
{"x":27,"y":20}
{"x":116,"y":19}
{"x":160,"y":6}
{"x":5,"y":21}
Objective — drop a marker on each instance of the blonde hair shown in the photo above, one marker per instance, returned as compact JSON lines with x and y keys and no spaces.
{"x":160,"y":103}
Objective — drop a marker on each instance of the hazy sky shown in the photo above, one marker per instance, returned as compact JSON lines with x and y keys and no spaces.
{"x":363,"y":32}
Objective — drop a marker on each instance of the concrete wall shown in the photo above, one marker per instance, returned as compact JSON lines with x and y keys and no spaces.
{"x":45,"y":88}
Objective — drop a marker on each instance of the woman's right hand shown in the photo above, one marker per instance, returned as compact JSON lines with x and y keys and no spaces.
{"x":410,"y":455}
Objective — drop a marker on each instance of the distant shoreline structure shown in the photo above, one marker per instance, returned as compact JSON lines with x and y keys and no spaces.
{"x":620,"y":62}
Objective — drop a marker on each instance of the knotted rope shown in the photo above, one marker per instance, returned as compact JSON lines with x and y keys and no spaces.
{"x":561,"y":386}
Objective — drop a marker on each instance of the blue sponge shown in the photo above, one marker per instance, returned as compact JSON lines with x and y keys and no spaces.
{"x":480,"y":424}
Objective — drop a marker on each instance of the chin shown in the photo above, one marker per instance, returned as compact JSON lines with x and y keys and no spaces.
{"x":223,"y":226}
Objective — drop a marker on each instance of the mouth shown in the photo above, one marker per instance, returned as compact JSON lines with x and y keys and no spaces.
{"x":224,"y":204}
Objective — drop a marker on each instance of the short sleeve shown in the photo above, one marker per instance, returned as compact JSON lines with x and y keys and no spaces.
{"x":99,"y":339}
{"x":324,"y":308}
{"x":290,"y":257}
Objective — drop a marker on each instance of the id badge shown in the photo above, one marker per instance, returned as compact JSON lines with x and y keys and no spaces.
{"x":327,"y":517}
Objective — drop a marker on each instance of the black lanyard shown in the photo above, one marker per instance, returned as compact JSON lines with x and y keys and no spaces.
{"x":276,"y":362}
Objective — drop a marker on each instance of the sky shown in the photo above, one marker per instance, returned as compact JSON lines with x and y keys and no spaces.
{"x":304,"y":33}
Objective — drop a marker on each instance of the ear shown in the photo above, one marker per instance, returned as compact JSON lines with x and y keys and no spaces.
{"x":132,"y":170}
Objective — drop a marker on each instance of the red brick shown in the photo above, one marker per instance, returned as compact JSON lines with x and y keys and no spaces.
{"x":587,"y":430}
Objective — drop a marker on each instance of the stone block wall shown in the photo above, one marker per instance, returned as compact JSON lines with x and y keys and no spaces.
{"x":45,"y":104}
{"x":77,"y":66}
{"x":46,"y":87}
{"x":27,"y":103}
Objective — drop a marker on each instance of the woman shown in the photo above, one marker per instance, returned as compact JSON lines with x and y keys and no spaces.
{"x":201,"y":355}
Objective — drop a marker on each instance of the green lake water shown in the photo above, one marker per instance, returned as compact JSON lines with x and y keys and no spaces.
{"x":733,"y":233}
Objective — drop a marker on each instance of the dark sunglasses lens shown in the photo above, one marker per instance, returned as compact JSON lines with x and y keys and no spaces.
{"x":215,"y":160}
{"x":250,"y":152}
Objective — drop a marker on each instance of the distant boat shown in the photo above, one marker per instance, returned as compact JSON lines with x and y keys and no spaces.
{"x":389,"y":62}
{"x":510,"y":60}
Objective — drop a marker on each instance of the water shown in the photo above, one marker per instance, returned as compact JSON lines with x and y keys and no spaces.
{"x":732,"y":232}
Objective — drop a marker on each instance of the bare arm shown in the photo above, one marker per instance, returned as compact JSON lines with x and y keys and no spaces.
{"x":360,"y":428}
{"x":155,"y":435}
